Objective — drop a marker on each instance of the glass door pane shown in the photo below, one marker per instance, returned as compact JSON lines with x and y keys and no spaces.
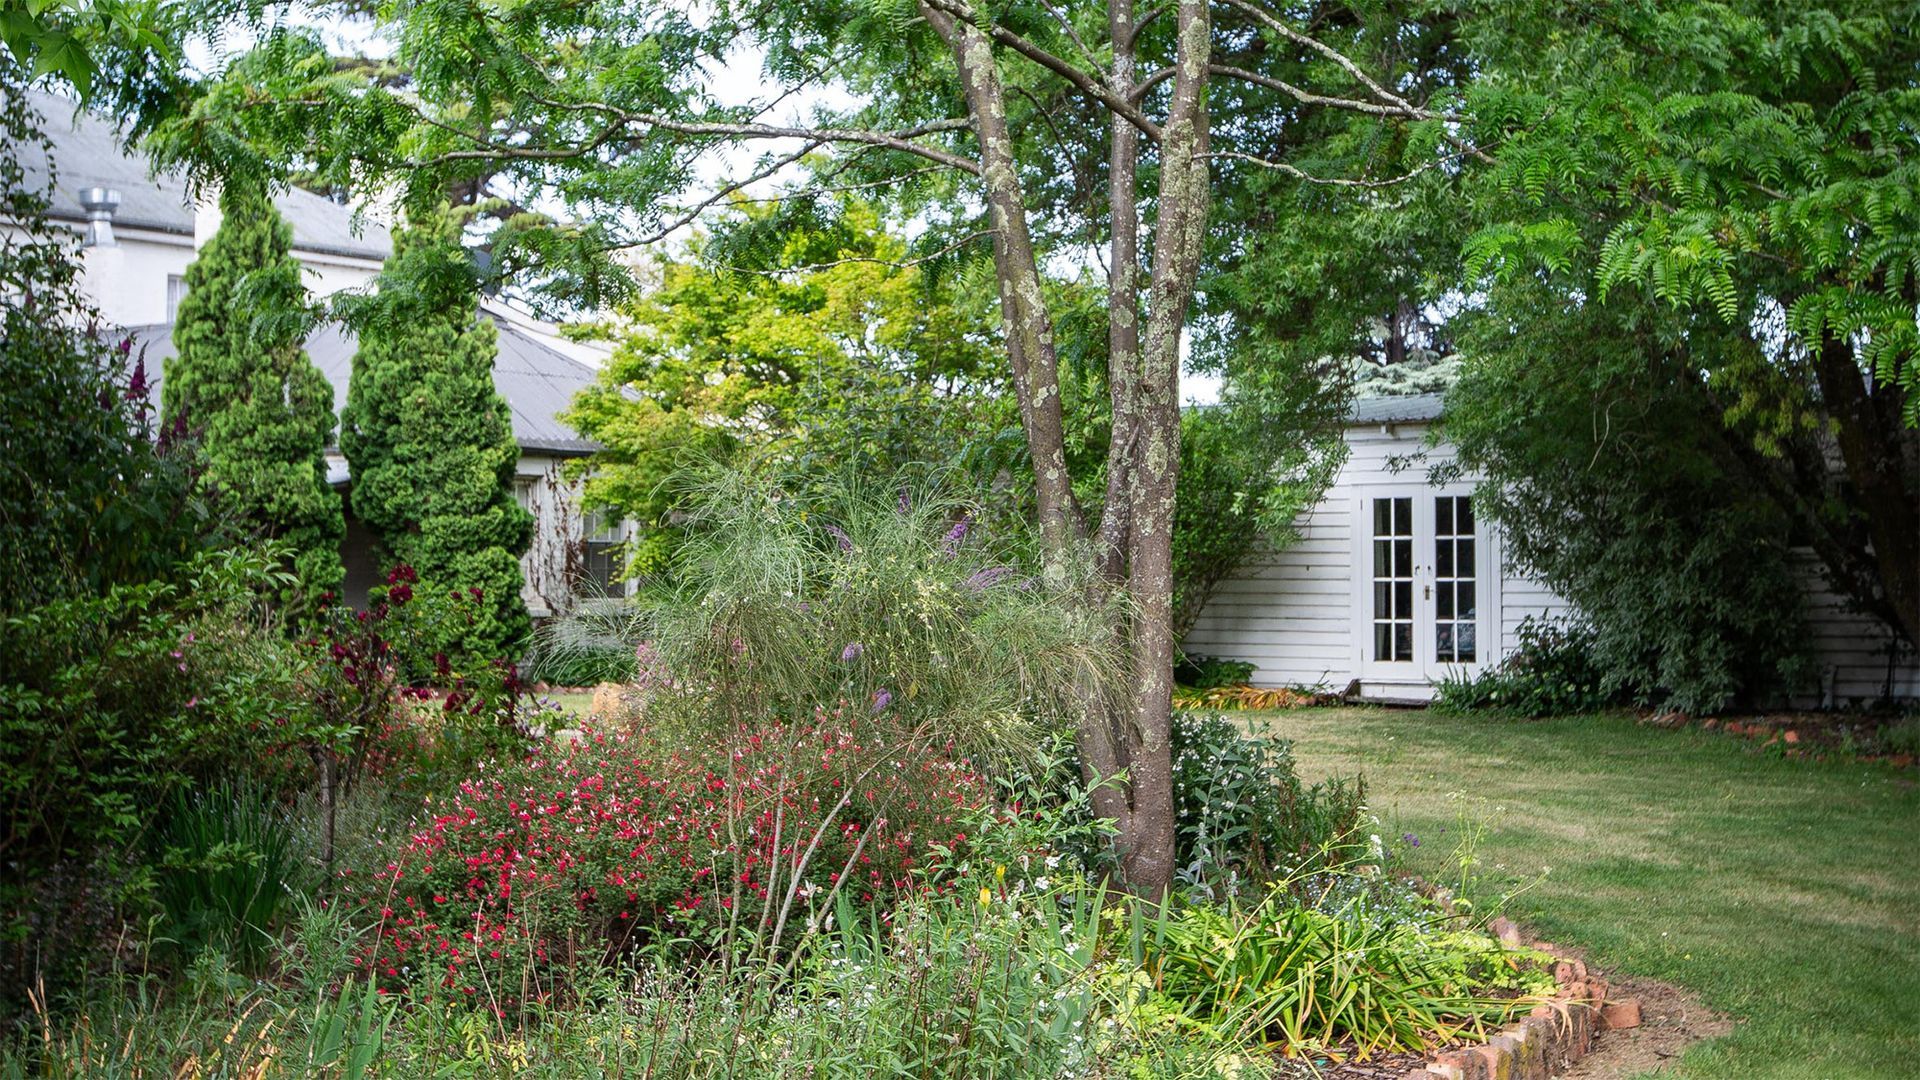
{"x":1455,"y":612}
{"x":1393,"y":617}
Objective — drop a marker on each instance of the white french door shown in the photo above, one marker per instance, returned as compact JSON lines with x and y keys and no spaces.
{"x":1424,"y":598}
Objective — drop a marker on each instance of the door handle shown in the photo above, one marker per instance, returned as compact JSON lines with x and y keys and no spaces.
{"x":1426,"y":592}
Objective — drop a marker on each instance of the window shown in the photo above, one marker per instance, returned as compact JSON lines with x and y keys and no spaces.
{"x":1455,"y":606}
{"x":1393,"y":579}
{"x":606,"y":561}
{"x":176,"y":292}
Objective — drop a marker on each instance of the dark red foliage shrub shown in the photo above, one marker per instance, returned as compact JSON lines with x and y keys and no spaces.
{"x":584,"y":852}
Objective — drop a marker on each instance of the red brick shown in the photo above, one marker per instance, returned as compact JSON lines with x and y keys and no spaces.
{"x":1620,"y":1014}
{"x":1502,"y":1054}
{"x":1459,"y":1065}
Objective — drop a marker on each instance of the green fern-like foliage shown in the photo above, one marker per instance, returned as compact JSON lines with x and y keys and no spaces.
{"x":1741,"y":153}
{"x":241,"y":378}
{"x":430,"y":440}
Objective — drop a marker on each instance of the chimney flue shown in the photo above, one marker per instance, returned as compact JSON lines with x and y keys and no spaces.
{"x":100,"y":203}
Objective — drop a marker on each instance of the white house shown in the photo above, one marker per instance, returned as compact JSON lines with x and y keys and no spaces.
{"x":141,"y":231}
{"x":1396,"y":583}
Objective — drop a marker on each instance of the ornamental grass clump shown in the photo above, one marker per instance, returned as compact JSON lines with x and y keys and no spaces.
{"x":778,"y":605}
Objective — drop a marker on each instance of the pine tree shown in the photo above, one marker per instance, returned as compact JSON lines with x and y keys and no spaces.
{"x":241,"y":378}
{"x":430,"y":440}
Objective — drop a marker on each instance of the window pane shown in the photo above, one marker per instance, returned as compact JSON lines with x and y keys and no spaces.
{"x":1466,"y":642}
{"x":1403,"y":517}
{"x":1403,"y":599}
{"x":1464,"y":559}
{"x":1383,"y":517}
{"x":1383,"y":641}
{"x":1443,"y":561}
{"x":1403,"y":641}
{"x":1465,"y":604}
{"x":1383,"y":558}
{"x":1443,"y":600}
{"x":1465,"y":520}
{"x":1443,"y":516}
{"x":1403,"y":558}
{"x":1381,"y":598}
{"x":1443,"y":641}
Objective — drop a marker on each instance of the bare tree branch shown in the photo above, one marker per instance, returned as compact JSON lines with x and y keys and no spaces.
{"x":1073,"y":35}
{"x":1335,"y":55}
{"x":634,"y":123}
{"x":1308,"y":97}
{"x":898,"y":264}
{"x":833,"y":189}
{"x":1336,"y":181}
{"x":701,"y":207}
{"x":1082,"y":81}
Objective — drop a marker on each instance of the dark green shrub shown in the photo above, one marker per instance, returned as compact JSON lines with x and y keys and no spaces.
{"x":91,"y":496}
{"x":223,"y":867}
{"x":114,"y":704}
{"x":1208,"y":672}
{"x":241,"y":378}
{"x":431,"y":444}
{"x":1552,"y":673}
{"x":1243,"y":818}
{"x":1616,"y":482}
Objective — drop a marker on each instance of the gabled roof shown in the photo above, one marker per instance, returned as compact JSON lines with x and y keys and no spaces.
{"x":537,"y":381}
{"x":1396,"y":409}
{"x":87,"y":153}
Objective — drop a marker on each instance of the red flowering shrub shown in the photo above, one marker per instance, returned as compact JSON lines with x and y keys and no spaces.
{"x":582,"y":853}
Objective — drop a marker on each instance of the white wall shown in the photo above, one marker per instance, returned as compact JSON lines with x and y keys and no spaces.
{"x":128,"y":280}
{"x":1291,"y":612}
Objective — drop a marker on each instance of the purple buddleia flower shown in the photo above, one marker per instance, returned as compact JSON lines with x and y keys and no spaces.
{"x":852,"y":651}
{"x":882,"y":699}
{"x":986,"y":579}
{"x":840,"y":537}
{"x":956,"y":535}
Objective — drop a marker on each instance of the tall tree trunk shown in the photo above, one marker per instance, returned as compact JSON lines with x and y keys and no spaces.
{"x":1024,"y":318}
{"x":1136,"y":528}
{"x":1179,"y":235}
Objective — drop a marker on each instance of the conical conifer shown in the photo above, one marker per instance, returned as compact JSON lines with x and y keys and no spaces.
{"x":241,"y":378}
{"x":430,"y":443}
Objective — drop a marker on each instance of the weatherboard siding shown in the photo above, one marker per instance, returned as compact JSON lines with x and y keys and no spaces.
{"x":1291,"y":612}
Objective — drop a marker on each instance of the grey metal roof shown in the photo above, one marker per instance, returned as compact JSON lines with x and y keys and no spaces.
{"x":1396,"y":409}
{"x":537,"y":380}
{"x":87,"y":153}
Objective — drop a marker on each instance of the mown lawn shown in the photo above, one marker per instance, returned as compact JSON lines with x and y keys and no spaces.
{"x":1785,"y":893}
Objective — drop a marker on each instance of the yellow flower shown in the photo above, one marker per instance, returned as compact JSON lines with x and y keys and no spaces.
{"x":986,"y":897}
{"x":999,"y":873}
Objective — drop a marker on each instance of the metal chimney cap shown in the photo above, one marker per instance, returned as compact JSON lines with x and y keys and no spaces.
{"x":100,"y":200}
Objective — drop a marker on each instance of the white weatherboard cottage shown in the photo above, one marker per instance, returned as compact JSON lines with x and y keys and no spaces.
{"x":141,"y":233}
{"x":1396,"y":583}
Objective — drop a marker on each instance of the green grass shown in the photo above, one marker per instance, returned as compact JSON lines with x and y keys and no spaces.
{"x":1785,"y":892}
{"x":577,"y":704}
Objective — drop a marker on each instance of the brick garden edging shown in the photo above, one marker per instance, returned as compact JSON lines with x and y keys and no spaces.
{"x":1556,"y":1034}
